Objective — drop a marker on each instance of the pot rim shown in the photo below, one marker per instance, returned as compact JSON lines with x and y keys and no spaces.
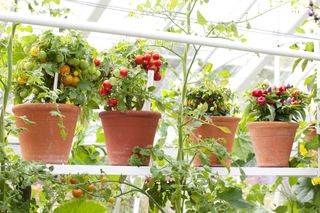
{"x":45,"y":107}
{"x":275,"y":124}
{"x":129,"y":113}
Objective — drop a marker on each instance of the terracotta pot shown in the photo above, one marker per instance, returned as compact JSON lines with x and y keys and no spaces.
{"x":126,"y":129}
{"x":211,"y":131}
{"x":272,"y":142}
{"x":42,"y":141}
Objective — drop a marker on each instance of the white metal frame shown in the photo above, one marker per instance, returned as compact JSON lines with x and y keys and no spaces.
{"x":128,"y":170}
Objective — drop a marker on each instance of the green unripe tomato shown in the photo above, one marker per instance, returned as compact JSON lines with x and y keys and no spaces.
{"x":28,"y":66}
{"x":59,"y":58}
{"x":83,"y":64}
{"x":23,"y":94}
{"x":42,"y":55}
{"x":35,"y":91}
{"x":113,"y":81}
{"x":97,"y":74}
{"x":70,"y":61}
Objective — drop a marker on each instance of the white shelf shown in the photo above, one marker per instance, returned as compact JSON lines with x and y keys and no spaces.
{"x":145,"y":170}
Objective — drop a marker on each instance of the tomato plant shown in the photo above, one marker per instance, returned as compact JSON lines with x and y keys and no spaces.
{"x":124,"y":79}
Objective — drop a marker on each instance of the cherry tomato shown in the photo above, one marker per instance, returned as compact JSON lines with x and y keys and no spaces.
{"x":124,"y":72}
{"x":77,"y":192}
{"x":75,"y":73}
{"x":112,"y":102}
{"x":67,"y":80}
{"x":34,"y":51}
{"x":103,"y":179}
{"x":157,"y":76}
{"x":150,"y":63}
{"x":90,"y":187}
{"x":138,"y":59}
{"x":103,"y":91}
{"x":111,"y":200}
{"x":22,"y":80}
{"x":64,"y":70}
{"x":158,"y":63}
{"x":42,"y":55}
{"x":156,"y":56}
{"x":73,"y":181}
{"x":147,"y":57}
{"x":154,"y":68}
{"x":107,"y":85}
{"x":75,"y":81}
{"x":96,"y":62}
{"x":28,"y":66}
{"x":83,"y":64}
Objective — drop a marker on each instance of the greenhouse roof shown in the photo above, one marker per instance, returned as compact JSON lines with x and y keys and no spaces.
{"x":262,"y":23}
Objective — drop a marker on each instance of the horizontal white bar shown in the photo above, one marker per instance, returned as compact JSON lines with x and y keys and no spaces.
{"x":156,"y":35}
{"x":145,"y":170}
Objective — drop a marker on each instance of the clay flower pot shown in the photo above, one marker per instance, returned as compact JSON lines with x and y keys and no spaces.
{"x":126,"y":129}
{"x":272,"y":142}
{"x":211,"y":131}
{"x":42,"y":141}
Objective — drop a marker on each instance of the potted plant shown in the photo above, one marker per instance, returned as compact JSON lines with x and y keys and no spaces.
{"x":217,"y":120}
{"x":275,"y":111}
{"x":55,"y":77}
{"x":124,"y":89}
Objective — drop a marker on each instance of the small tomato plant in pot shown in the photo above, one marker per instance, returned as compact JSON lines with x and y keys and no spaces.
{"x":275,"y":111}
{"x":212,"y":108}
{"x":125,"y":69}
{"x":56,"y":76}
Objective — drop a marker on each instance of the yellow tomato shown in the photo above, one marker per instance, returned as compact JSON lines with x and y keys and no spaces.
{"x":111,"y":200}
{"x":22,"y":80}
{"x":34,"y":51}
{"x":76,"y":73}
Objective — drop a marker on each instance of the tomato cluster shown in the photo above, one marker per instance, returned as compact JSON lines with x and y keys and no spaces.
{"x":150,"y":61}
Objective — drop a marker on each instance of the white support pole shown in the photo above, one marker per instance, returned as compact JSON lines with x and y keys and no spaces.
{"x":276,"y":70}
{"x":156,"y":35}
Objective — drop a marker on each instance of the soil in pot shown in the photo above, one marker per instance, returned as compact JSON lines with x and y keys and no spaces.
{"x":42,"y":140}
{"x":272,"y":142}
{"x":211,"y":131}
{"x":126,"y":129}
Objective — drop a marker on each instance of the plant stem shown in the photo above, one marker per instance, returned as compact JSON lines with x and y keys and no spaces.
{"x":7,"y":88}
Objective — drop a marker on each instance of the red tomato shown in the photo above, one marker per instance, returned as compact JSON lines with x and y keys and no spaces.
{"x":138,"y":59}
{"x":157,"y":76}
{"x":147,"y":57}
{"x":96,"y":62}
{"x":107,"y":85}
{"x":73,"y":181}
{"x":103,"y":91}
{"x":124,"y":72}
{"x":77,"y":192}
{"x":158,"y":63}
{"x":156,"y":56}
{"x":150,"y":63}
{"x":112,"y":102}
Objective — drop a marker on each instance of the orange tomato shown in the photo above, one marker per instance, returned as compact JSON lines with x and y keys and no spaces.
{"x":67,"y":80}
{"x":75,"y":80}
{"x":77,"y":192}
{"x":65,"y":69}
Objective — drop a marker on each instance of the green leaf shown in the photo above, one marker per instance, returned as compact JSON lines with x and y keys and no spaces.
{"x":224,"y":129}
{"x":242,"y":147}
{"x":304,"y":190}
{"x":201,"y":19}
{"x":207,"y":68}
{"x":173,"y":4}
{"x":304,"y":64}
{"x":223,"y":83}
{"x":234,"y":197}
{"x":296,"y":62}
{"x":300,"y":30}
{"x":272,"y":112}
{"x":81,"y":206}
{"x":100,"y":135}
{"x":293,"y":180}
{"x":224,"y":74}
